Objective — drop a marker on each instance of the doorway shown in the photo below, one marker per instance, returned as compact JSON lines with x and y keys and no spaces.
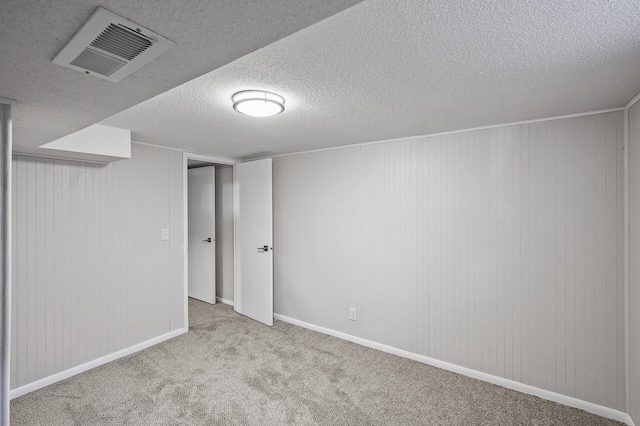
{"x":243,"y":222}
{"x":201,"y":246}
{"x":208,"y":230}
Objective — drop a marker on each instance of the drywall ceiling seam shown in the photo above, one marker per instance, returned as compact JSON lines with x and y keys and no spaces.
{"x":450,"y":132}
{"x":158,"y":146}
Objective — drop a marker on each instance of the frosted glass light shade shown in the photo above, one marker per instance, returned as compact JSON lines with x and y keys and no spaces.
{"x":258,"y":103}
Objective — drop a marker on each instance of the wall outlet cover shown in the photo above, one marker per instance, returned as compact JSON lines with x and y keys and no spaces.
{"x":352,"y":314}
{"x":165,"y":234}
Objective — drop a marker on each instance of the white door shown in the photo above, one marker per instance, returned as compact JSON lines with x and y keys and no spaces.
{"x":253,"y":260}
{"x":202,"y":246}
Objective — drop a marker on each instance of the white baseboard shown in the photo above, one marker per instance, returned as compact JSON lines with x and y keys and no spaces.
{"x":589,"y":407}
{"x":225,"y":301}
{"x":23,"y":390}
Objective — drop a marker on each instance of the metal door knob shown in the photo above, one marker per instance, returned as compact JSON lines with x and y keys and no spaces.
{"x":208,"y":240}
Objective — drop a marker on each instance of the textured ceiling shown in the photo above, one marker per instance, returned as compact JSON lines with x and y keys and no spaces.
{"x":388,"y":69}
{"x":55,"y":101}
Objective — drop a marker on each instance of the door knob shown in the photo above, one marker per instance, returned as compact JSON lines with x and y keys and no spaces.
{"x":208,"y":240}
{"x":263,"y":249}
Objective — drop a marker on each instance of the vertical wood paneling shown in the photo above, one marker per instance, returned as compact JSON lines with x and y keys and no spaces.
{"x":469,"y":230}
{"x":49,"y":290}
{"x":549,"y":286}
{"x":164,"y":208}
{"x":40,"y":211}
{"x":634,"y":262}
{"x":124,"y":253}
{"x":527,"y":219}
{"x":138,"y":245}
{"x":495,"y":249}
{"x":116,"y":197}
{"x":82,"y":265}
{"x":500,"y":290}
{"x":64,"y":246}
{"x":570,"y":177}
{"x":110,"y":260}
{"x":91,"y":274}
{"x":508,"y":283}
{"x":101,"y":301}
{"x":558,"y":187}
{"x":597,"y":317}
{"x":516,"y":284}
{"x":90,"y":239}
{"x":20,"y":245}
{"x":621,"y":257}
{"x":74,"y":268}
{"x":582,"y":263}
{"x":612,"y":128}
{"x":14,"y":270}
{"x":31,"y":304}
{"x":177,"y":246}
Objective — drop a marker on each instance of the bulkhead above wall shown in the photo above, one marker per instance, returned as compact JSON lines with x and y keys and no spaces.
{"x":96,"y":143}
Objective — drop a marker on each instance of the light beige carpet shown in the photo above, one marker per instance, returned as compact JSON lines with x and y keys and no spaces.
{"x":230,"y":370}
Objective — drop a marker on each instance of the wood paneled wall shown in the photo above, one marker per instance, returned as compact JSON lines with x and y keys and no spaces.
{"x":91,"y":275}
{"x":500,"y":250}
{"x":634,"y":262}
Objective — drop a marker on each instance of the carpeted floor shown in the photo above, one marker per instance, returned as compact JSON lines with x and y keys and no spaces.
{"x":231,"y":370}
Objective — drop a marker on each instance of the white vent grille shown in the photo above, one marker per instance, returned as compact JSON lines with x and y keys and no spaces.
{"x":122,"y":41}
{"x":97,"y":62}
{"x":111,"y":47}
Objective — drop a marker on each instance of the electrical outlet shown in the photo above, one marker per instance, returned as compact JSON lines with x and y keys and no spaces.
{"x":164,"y":234}
{"x":352,"y":314}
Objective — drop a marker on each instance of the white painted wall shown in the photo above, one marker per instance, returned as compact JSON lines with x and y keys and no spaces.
{"x":499,"y":250}
{"x":224,"y":232}
{"x":91,"y":274}
{"x":634,"y":262}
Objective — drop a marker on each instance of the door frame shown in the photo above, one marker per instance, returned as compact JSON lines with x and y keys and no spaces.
{"x":186,"y":156}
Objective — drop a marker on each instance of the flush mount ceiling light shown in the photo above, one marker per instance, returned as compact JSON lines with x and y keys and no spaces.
{"x":258,"y":103}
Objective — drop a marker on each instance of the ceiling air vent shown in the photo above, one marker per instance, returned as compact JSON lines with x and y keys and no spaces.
{"x":111,"y":47}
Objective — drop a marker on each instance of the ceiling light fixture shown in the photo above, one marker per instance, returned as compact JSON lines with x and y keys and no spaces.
{"x":258,"y":103}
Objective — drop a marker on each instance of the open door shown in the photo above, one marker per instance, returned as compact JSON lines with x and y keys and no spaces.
{"x":253,"y":260}
{"x":202,"y":228}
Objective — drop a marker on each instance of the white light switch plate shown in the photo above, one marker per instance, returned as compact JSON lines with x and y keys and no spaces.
{"x":165,"y":234}
{"x":352,"y":314}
